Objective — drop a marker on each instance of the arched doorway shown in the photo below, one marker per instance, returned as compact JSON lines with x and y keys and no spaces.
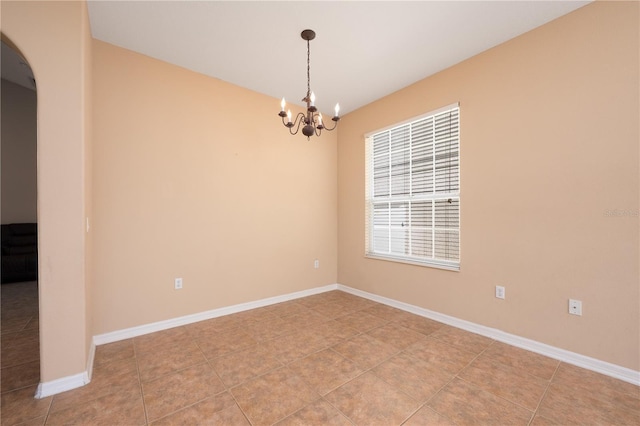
{"x":55,"y":38}
{"x":20,"y":360}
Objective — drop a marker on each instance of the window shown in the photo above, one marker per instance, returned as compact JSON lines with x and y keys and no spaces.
{"x":413,"y":191}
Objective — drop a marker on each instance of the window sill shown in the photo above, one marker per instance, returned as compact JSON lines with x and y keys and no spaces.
{"x":448,"y":266}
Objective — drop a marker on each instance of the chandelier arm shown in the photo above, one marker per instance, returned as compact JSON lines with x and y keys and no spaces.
{"x":300,"y":118}
{"x":335,"y":124}
{"x":288,"y":124}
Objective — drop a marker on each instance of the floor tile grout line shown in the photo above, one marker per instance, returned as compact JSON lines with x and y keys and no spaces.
{"x":499,"y":397}
{"x":33,"y":416}
{"x":239,"y":407}
{"x":287,"y":364}
{"x":420,"y":405}
{"x":46,"y":416}
{"x":533,"y":412}
{"x":187,"y":406}
{"x":365,"y":371}
{"x":226,"y":389}
{"x":144,"y":404}
{"x":544,"y":394}
{"x":336,"y":408}
{"x":112,"y":392}
{"x":327,"y":319}
{"x":229,"y":389}
{"x":454,"y":377}
{"x":371,"y":370}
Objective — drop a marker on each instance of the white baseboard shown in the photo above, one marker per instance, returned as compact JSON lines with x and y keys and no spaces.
{"x":77,"y":380}
{"x":128,"y":333}
{"x":603,"y":367}
{"x":71,"y":382}
{"x":63,"y":384}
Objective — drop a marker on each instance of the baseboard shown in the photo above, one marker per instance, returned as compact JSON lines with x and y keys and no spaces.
{"x":128,"y":333}
{"x":563,"y":355}
{"x":63,"y":384}
{"x":603,"y":367}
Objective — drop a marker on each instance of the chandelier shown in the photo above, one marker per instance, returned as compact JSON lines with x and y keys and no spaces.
{"x":313,"y":122}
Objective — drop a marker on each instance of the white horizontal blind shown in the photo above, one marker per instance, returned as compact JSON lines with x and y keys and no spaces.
{"x":413,"y":191}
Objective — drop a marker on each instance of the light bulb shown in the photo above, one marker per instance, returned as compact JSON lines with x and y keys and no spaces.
{"x":282,"y":104}
{"x":313,"y":99}
{"x":289,"y":116}
{"x":337,"y":109}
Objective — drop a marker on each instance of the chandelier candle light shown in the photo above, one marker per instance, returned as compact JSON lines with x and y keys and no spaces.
{"x":313,"y":123}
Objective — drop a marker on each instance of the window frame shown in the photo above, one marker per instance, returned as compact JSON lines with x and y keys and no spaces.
{"x":410,"y":200}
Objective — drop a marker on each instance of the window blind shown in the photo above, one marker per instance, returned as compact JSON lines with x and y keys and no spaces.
{"x":413,"y":191}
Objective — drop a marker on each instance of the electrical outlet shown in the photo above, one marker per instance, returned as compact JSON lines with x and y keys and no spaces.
{"x":500,"y":292}
{"x":316,"y":263}
{"x":178,"y":283}
{"x":575,"y":307}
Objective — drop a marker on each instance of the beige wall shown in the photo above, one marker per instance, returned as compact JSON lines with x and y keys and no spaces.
{"x":549,"y":145}
{"x":197,"y":178}
{"x":18,"y":154}
{"x":51,"y":36}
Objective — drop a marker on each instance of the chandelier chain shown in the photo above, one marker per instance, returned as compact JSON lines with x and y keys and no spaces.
{"x":308,"y":71}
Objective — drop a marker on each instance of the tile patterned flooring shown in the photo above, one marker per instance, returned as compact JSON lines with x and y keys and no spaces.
{"x":328,"y":359}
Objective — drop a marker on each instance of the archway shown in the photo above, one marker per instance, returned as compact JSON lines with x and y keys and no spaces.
{"x":20,"y":302}
{"x":55,"y":38}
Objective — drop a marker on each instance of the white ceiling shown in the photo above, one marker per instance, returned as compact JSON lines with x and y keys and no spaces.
{"x":363,"y":50}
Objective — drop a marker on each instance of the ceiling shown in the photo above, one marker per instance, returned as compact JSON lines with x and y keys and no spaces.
{"x":363,"y":50}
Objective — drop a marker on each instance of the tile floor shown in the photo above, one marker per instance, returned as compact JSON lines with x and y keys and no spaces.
{"x":328,"y":359}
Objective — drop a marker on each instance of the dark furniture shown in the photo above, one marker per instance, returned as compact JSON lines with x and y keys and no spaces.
{"x":19,"y":252}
